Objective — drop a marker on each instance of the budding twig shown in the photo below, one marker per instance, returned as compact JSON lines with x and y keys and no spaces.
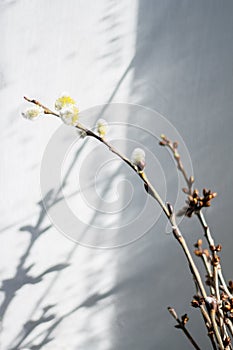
{"x":195,"y":206}
{"x":189,"y":182}
{"x":196,"y":202}
{"x":150,"y":190}
{"x":148,"y":186}
{"x":181,"y":325}
{"x":211,"y":242}
{"x":46,"y":109}
{"x":173,"y":147}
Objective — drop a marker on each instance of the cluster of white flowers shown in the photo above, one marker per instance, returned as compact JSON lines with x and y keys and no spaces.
{"x":33,"y":113}
{"x":67,"y":109}
{"x":138,"y":158}
{"x":102,"y":127}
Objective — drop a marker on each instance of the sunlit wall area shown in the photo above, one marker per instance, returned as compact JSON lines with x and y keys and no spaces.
{"x":55,"y":293}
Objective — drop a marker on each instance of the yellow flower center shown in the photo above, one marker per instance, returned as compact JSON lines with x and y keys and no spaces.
{"x":62,"y":101}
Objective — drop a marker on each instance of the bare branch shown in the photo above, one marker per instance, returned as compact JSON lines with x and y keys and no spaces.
{"x":181,"y":325}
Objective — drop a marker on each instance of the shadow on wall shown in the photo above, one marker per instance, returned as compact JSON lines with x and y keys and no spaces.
{"x":22,"y":276}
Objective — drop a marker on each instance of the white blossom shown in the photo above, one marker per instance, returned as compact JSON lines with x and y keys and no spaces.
{"x":63,"y":101}
{"x":102,"y":127}
{"x":33,"y":112}
{"x":138,"y":158}
{"x":69,"y":114}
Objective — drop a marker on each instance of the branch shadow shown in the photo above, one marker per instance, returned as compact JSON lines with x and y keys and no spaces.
{"x":23,"y":275}
{"x":89,"y":302}
{"x":10,"y":287}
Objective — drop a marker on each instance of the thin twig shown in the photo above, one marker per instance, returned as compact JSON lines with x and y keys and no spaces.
{"x":177,"y":234}
{"x":216,"y":331}
{"x":211,"y":242}
{"x":217,"y":271}
{"x":167,"y":209}
{"x":229,"y":325}
{"x":208,"y":324}
{"x":150,"y":190}
{"x":223,"y":283}
{"x":189,"y":182}
{"x":208,"y":270}
{"x":181,"y":325}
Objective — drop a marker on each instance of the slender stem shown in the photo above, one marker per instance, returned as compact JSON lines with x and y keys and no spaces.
{"x":217,"y":271}
{"x":46,"y":109}
{"x":220,"y":313}
{"x":206,"y":228}
{"x":208,"y":324}
{"x":183,"y":328}
{"x":211,"y":242}
{"x":216,"y":286}
{"x":216,"y":331}
{"x":229,"y":325}
{"x":223,"y":283}
{"x":192,"y":265}
{"x":180,"y":166}
{"x":207,"y":265}
{"x":151,"y":190}
{"x":208,"y":270}
{"x":206,"y":316}
{"x":199,"y":214}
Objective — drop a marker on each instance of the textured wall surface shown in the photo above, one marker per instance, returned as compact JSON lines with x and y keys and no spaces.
{"x":172,"y":56}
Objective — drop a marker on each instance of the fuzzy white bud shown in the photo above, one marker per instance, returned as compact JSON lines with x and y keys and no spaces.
{"x":138,"y":158}
{"x":102,"y":127}
{"x":33,"y":113}
{"x":63,"y":101}
{"x":69,"y":114}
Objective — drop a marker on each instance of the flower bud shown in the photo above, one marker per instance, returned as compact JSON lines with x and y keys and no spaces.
{"x":63,"y":101}
{"x":102,"y":127}
{"x":138,"y":158}
{"x":33,"y":113}
{"x":69,"y":114}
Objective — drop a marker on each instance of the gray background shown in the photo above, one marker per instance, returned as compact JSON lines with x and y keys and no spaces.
{"x":172,"y":56}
